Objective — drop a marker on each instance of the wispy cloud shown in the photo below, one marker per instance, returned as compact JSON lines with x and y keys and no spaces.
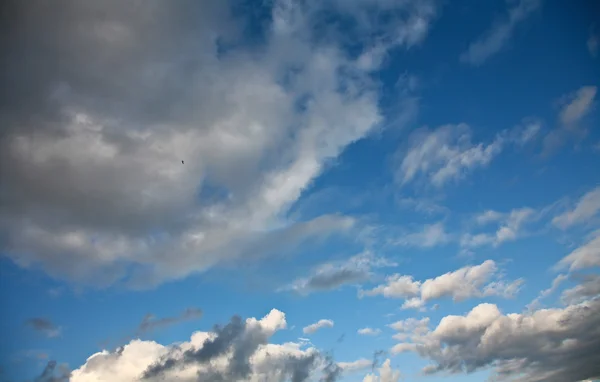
{"x":321,"y":324}
{"x":499,"y":34}
{"x":586,"y":208}
{"x":151,"y":322}
{"x":45,"y":326}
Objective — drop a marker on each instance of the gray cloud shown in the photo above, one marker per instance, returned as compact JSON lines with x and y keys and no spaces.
{"x":150,"y":322}
{"x":52,"y":374}
{"x":44,"y":325}
{"x":544,"y":345}
{"x":103,"y":101}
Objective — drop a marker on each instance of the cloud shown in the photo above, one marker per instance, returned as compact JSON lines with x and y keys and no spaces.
{"x":464,"y":283}
{"x":544,"y":345}
{"x":547,"y":292}
{"x":444,"y":154}
{"x":585,"y":209}
{"x":93,"y":185}
{"x":333,"y":275}
{"x":575,"y":107}
{"x":430,"y":236}
{"x":45,"y":326}
{"x":386,"y":374}
{"x":593,"y":43}
{"x":588,"y":287}
{"x":150,"y":322}
{"x":240,"y":350}
{"x":499,"y":34}
{"x":321,"y":324}
{"x":354,"y":366}
{"x":368,"y":331}
{"x":51,"y":374}
{"x":586,"y":256}
{"x":509,"y":227}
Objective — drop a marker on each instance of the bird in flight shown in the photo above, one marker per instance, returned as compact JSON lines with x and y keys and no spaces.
{"x":182,"y":162}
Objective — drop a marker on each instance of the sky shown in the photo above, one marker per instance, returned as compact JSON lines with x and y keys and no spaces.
{"x":313,"y":190}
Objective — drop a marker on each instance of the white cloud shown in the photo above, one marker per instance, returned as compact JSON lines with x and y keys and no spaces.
{"x":579,"y":105}
{"x":330,"y":276}
{"x":575,"y":106}
{"x":386,"y":374}
{"x":240,"y":351}
{"x":369,"y":331}
{"x":354,"y":366}
{"x":92,"y":180}
{"x":559,"y":279}
{"x":510,"y":226}
{"x":586,"y":256}
{"x":589,"y":287}
{"x":444,"y":154}
{"x":430,"y":236}
{"x":585,"y":209}
{"x":467,"y":282}
{"x":321,"y":324}
{"x":499,"y":34}
{"x":544,"y":345}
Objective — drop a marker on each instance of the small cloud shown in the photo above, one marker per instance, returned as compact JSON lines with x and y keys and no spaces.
{"x":150,"y":322}
{"x":321,"y":324}
{"x":368,"y":331}
{"x":45,"y":326}
{"x":585,"y":209}
{"x":498,"y":36}
{"x":593,"y":43}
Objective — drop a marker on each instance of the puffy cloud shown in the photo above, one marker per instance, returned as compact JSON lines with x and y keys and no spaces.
{"x":544,"y":345}
{"x":239,"y":350}
{"x":368,"y":331}
{"x":467,"y":282}
{"x":44,"y":325}
{"x":334,"y":275}
{"x":585,"y":209}
{"x":498,"y":36}
{"x":386,"y":374}
{"x":312,"y":328}
{"x":586,"y":256}
{"x":93,"y":186}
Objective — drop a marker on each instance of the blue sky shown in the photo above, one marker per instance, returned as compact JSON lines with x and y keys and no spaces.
{"x":397,"y":190}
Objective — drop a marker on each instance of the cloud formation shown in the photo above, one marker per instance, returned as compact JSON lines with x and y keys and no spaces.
{"x":45,"y":326}
{"x":386,"y":374}
{"x":368,"y":331}
{"x":480,"y":280}
{"x":545,"y":345}
{"x":333,"y":275}
{"x":151,"y":322}
{"x":126,"y":94}
{"x":321,"y":324}
{"x":499,"y":34}
{"x":586,"y":208}
{"x":585,"y":256}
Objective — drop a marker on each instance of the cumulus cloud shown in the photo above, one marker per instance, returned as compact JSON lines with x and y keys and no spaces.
{"x":499,"y":34}
{"x":321,"y":324}
{"x":544,"y":345}
{"x":237,"y":351}
{"x":386,"y":374}
{"x":151,"y":322}
{"x":586,"y":256}
{"x":92,"y":182}
{"x":44,"y":326}
{"x":480,"y":280}
{"x":368,"y":331}
{"x":334,"y":275}
{"x":585,"y":209}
